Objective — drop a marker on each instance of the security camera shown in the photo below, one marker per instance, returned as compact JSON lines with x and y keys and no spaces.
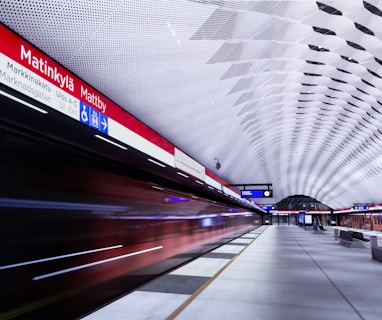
{"x":217,"y":164}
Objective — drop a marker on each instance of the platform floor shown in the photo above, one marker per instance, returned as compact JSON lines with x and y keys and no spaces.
{"x":271,"y":273}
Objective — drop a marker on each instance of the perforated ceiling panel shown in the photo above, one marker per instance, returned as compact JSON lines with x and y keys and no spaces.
{"x":282,"y":92}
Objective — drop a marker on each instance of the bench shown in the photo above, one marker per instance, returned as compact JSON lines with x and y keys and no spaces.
{"x":359,"y":236}
{"x":347,"y":239}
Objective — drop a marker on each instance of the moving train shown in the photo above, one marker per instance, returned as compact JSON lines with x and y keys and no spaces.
{"x":78,"y":231}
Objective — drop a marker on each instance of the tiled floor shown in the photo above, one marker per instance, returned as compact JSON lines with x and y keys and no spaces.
{"x":276,"y":272}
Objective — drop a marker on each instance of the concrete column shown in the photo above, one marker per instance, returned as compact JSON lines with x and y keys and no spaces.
{"x":373,"y":244}
{"x":373,"y":241}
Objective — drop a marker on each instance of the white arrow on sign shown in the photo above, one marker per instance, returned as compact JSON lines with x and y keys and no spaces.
{"x":104,"y":123}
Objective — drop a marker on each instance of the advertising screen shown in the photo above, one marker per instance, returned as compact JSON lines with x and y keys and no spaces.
{"x":308,"y":219}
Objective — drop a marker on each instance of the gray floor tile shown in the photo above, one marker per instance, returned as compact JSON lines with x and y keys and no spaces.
{"x":177,"y":284}
{"x":219,"y":255}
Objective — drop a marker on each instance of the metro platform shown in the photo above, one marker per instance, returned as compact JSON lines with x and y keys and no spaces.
{"x":273,"y":272}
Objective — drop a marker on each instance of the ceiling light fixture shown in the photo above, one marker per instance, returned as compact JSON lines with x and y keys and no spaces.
{"x":111,"y":142}
{"x":156,"y":162}
{"x":182,"y":174}
{"x":23,"y":102}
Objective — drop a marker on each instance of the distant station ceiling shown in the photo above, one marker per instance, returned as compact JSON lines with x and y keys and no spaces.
{"x":280,"y":92}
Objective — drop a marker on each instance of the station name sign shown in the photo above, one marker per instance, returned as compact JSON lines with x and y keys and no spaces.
{"x":41,"y":65}
{"x":27,"y":70}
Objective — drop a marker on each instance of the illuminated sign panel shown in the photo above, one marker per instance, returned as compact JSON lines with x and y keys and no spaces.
{"x":27,"y":70}
{"x":308,"y":219}
{"x":361,"y":208}
{"x":256,"y":193}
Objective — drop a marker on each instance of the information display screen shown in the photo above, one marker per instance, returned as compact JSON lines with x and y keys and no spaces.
{"x":308,"y":219}
{"x":258,"y":193}
{"x":301,"y":218}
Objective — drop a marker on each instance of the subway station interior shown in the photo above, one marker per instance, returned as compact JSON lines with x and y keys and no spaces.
{"x":190,"y":159}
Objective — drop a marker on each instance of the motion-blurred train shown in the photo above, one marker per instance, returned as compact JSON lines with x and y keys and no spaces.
{"x":77,"y":231}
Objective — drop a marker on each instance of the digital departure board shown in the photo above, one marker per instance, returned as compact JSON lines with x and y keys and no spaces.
{"x":257,"y":193}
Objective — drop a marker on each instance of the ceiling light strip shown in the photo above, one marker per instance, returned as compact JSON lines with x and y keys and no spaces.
{"x":157,"y":163}
{"x":182,"y":174}
{"x":23,"y":102}
{"x":111,"y":142}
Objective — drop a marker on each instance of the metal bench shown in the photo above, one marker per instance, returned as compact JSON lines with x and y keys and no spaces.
{"x":347,"y":239}
{"x":359,"y":236}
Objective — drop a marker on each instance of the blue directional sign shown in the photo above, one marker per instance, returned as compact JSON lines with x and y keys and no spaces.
{"x":84,"y":113}
{"x":93,"y":118}
{"x":104,"y":124}
{"x":256,"y":193}
{"x":361,"y":207}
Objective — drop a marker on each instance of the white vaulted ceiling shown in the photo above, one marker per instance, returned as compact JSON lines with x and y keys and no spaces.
{"x":281,"y":92}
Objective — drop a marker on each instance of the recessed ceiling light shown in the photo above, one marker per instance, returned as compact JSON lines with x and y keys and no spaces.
{"x":157,"y":163}
{"x":111,"y":142}
{"x":23,"y":102}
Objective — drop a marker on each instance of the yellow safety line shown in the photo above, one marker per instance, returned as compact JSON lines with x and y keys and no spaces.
{"x":207,"y":283}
